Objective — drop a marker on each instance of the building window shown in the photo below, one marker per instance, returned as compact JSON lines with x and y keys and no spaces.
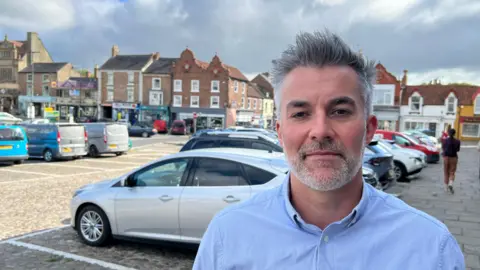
{"x":157,"y":83}
{"x":214,"y":102}
{"x":234,"y":104}
{"x":6,"y":74}
{"x":215,"y":87}
{"x":195,"y":86}
{"x":45,"y":90}
{"x":244,"y":86}
{"x":29,"y":77}
{"x":130,"y":77}
{"x":477,"y":105}
{"x":470,"y":130}
{"x":110,"y":94}
{"x":254,"y":103}
{"x":130,"y":95}
{"x":194,"y":101}
{"x":383,"y":94}
{"x":29,"y":90}
{"x":45,"y":77}
{"x":248,"y":105}
{"x":414,"y":125}
{"x":235,"y":86}
{"x":243,"y":103}
{"x":415,"y":103}
{"x":110,"y":78}
{"x":177,"y":86}
{"x":451,"y":104}
{"x":177,"y":101}
{"x":156,"y":98}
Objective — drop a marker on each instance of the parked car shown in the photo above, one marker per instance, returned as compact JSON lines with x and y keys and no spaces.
{"x":405,"y":162}
{"x":6,"y":118}
{"x":257,"y":130}
{"x":13,"y":144}
{"x":175,"y":197}
{"x":106,"y":138}
{"x":179,"y":127}
{"x":419,"y":154}
{"x":56,"y":141}
{"x":403,"y":140}
{"x":381,"y":162}
{"x":422,"y":137}
{"x":371,"y":177}
{"x":160,"y":126}
{"x":233,"y":140}
{"x":142,"y":130}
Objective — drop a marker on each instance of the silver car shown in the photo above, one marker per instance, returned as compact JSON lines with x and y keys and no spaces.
{"x":173,"y":198}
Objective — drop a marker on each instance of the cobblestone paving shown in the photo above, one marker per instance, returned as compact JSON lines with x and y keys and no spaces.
{"x":460,"y":211}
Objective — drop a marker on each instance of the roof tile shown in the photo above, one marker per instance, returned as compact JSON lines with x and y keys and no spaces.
{"x":437,"y":93}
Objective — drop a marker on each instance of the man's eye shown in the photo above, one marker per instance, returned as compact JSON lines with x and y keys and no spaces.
{"x":299,"y":115}
{"x":341,"y":112}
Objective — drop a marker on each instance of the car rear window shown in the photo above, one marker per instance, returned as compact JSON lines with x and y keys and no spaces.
{"x":178,"y":125}
{"x":11,"y":134}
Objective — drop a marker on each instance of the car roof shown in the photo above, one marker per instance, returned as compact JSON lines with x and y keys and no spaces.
{"x":253,"y":157}
{"x":237,"y":134}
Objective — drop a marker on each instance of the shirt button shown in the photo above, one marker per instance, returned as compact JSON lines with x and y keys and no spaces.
{"x":325,"y":238}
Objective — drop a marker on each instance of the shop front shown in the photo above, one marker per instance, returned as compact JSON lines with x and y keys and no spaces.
{"x":33,"y":106}
{"x":149,"y":114}
{"x":8,"y":99}
{"x":244,"y":117}
{"x":469,"y":128}
{"x":77,"y":108}
{"x":387,"y":117}
{"x":207,"y":118}
{"x":125,"y":112}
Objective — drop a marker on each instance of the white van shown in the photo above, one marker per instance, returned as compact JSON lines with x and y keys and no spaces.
{"x":106,"y":138}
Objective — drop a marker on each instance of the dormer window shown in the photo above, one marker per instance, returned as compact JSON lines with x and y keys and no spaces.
{"x":416,"y":102}
{"x":451,"y":103}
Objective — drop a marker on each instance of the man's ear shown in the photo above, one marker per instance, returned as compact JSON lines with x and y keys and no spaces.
{"x":372,"y":124}
{"x":279,"y":132}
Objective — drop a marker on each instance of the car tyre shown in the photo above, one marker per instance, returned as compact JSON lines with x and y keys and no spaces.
{"x":93,"y":218}
{"x":18,"y":162}
{"x":48,"y":155}
{"x":119,"y":154}
{"x":400,"y":172}
{"x":145,"y":135}
{"x":93,"y":151}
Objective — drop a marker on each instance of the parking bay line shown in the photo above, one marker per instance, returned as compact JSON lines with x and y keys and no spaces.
{"x":69,"y":255}
{"x":35,"y":233}
{"x":27,"y":172}
{"x":110,"y":161}
{"x":65,"y":175}
{"x":68,"y":165}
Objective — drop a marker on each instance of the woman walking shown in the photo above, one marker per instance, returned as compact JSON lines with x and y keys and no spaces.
{"x":450,"y":147}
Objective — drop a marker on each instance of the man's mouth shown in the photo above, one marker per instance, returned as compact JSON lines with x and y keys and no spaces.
{"x":323,"y":154}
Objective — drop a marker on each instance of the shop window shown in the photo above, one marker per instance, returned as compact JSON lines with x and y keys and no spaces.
{"x":215,"y":102}
{"x":471,"y":130}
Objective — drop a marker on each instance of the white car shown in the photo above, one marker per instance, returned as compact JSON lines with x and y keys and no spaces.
{"x":406,"y":162}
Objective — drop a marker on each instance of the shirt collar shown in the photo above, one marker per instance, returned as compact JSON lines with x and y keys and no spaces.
{"x":348,"y":221}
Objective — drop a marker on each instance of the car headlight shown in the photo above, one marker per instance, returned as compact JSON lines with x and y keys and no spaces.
{"x":77,"y":192}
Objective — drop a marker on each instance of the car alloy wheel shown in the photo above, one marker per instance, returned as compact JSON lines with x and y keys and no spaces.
{"x":144,"y":134}
{"x":48,"y":155}
{"x":93,"y":226}
{"x":398,"y":172}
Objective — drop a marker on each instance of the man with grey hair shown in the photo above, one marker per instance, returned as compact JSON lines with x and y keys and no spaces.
{"x":323,"y":215}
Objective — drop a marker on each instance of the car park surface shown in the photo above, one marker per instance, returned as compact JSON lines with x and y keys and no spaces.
{"x":35,"y":202}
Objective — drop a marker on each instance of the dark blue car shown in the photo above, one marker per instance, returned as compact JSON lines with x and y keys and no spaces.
{"x":381,"y":162}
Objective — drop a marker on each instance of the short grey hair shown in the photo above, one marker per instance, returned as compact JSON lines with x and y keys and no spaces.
{"x":322,"y":49}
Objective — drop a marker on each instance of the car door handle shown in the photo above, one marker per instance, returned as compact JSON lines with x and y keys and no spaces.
{"x":166,"y":198}
{"x":230,"y":199}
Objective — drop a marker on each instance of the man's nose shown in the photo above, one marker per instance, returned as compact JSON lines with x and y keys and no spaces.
{"x":321,"y":127}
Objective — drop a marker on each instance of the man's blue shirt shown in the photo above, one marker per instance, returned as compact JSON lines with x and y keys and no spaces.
{"x":382,"y":232}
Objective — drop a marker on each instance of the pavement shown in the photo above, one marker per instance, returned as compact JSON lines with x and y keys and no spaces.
{"x":35,"y":196}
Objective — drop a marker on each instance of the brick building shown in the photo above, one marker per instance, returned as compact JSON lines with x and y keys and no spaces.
{"x":35,"y":84}
{"x":264,"y":85}
{"x":212,"y":90}
{"x":386,"y":99}
{"x":16,"y":55}
{"x":120,"y":85}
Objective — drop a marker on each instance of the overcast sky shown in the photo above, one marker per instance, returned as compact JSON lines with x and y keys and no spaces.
{"x":430,"y":38}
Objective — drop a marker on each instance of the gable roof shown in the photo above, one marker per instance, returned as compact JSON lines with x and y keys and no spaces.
{"x":161,"y":66}
{"x":264,"y":83}
{"x":127,"y":62}
{"x":44,"y":67}
{"x":253,"y":91}
{"x":236,"y":73}
{"x":436,"y":94}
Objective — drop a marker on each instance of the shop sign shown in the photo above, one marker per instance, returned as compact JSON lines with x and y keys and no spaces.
{"x":469,"y":119}
{"x":121,"y":105}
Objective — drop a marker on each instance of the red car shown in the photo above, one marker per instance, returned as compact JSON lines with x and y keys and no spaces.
{"x":410,"y":142}
{"x":179,"y":127}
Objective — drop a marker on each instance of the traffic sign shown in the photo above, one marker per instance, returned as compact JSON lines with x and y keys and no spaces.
{"x":194,"y":115}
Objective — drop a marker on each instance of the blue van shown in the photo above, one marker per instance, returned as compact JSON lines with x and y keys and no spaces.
{"x":13,"y":144}
{"x":56,"y":141}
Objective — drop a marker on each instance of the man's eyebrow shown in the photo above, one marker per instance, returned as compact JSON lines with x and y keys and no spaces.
{"x":298,"y":104}
{"x":341,"y":101}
